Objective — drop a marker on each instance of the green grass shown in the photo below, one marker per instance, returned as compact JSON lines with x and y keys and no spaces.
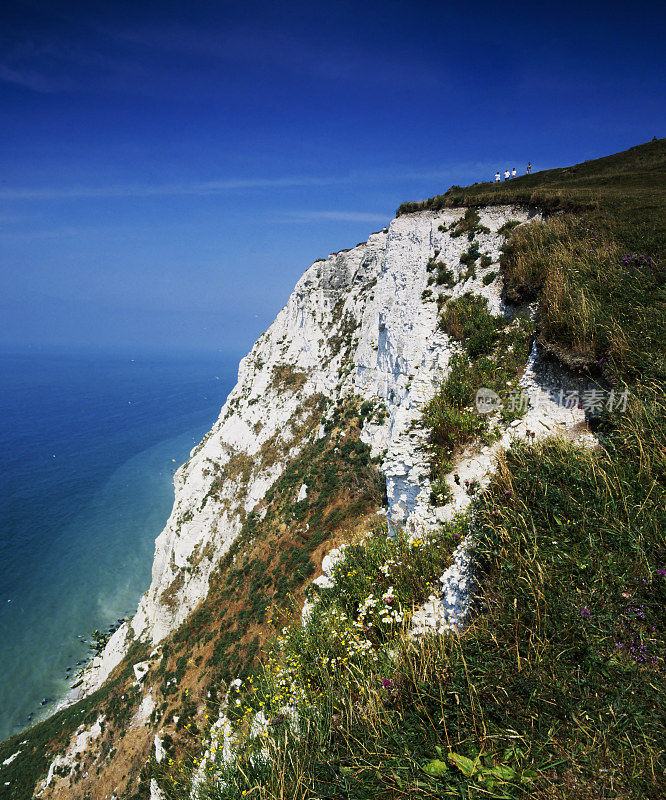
{"x":628,"y":186}
{"x":598,"y":304}
{"x":468,"y":320}
{"x":572,"y":629}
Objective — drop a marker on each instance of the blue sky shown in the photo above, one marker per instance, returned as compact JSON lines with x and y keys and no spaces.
{"x":168,"y":170}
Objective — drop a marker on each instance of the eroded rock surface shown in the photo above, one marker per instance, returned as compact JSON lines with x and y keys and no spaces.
{"x":356,"y":323}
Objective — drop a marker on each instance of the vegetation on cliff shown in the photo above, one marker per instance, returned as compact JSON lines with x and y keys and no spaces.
{"x":556,"y":687}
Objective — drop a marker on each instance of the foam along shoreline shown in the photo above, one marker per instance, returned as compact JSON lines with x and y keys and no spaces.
{"x":64,"y":684}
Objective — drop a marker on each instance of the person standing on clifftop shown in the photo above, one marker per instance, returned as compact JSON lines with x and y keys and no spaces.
{"x":507,"y":174}
{"x":529,"y":167}
{"x":513,"y":172}
{"x":498,"y":177}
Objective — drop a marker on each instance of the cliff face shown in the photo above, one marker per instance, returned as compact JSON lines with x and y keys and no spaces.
{"x":345,"y":370}
{"x":356,"y":323}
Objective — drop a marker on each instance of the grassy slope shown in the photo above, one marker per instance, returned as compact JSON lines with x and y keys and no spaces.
{"x":557,"y":688}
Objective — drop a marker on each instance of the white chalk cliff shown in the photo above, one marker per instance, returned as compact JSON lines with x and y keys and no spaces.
{"x":357,"y":323}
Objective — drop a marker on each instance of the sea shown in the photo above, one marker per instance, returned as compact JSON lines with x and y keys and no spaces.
{"x":89,"y":443}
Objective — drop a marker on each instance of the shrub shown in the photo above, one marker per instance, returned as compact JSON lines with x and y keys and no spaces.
{"x":450,"y":421}
{"x":471,"y":255}
{"x":469,"y":223}
{"x":440,"y":493}
{"x":507,"y":228}
{"x":468,"y":320}
{"x":445,"y":276}
{"x":442,"y":299}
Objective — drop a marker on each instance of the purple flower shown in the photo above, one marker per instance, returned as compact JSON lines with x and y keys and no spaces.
{"x":661,"y":572}
{"x":585,"y":613}
{"x":387,"y":684}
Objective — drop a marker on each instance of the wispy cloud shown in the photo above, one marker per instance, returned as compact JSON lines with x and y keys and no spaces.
{"x":336,"y":216}
{"x":201,"y":188}
{"x":167,"y":55}
{"x":204,"y":188}
{"x":66,"y":232}
{"x":31,"y":79}
{"x":334,"y":60}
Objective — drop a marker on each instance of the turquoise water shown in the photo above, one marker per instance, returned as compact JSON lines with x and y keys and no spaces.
{"x":88,"y":447}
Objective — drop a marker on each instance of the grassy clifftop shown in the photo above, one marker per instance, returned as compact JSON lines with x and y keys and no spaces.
{"x":628,"y":186}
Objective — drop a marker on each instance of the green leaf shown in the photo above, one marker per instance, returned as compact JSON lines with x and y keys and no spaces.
{"x":436,"y":768}
{"x":465,"y":765}
{"x":503,"y":773}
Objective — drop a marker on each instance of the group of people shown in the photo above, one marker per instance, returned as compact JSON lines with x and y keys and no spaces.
{"x":511,"y":174}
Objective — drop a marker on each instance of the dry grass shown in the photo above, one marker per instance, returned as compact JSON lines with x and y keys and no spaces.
{"x":287,"y":378}
{"x":597,"y":303}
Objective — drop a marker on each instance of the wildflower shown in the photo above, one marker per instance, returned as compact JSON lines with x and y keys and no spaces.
{"x":387,"y":684}
{"x":661,"y":572}
{"x":585,"y":613}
